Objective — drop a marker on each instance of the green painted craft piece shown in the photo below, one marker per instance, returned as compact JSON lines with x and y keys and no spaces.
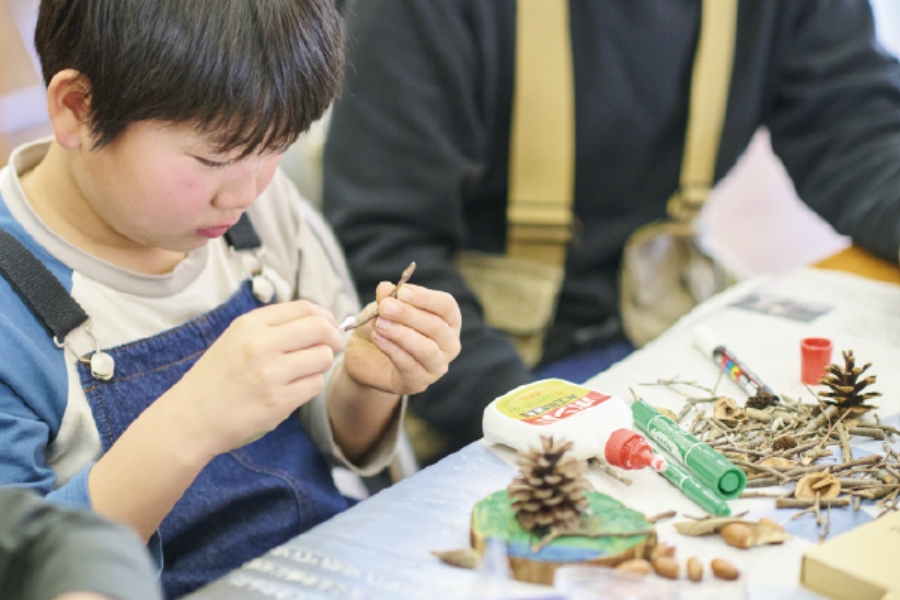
{"x":493,"y":517}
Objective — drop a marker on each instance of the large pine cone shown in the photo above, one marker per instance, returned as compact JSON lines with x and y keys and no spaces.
{"x":846,"y":385}
{"x":549,"y":490}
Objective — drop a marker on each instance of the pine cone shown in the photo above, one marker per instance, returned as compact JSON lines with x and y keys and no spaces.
{"x":785,"y":442}
{"x":846,"y":384}
{"x":761,"y":400}
{"x":549,"y":490}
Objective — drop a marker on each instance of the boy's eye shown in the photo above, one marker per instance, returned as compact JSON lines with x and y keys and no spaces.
{"x":211,"y":163}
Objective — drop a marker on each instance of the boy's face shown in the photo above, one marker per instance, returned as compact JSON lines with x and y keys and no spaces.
{"x":165,"y":186}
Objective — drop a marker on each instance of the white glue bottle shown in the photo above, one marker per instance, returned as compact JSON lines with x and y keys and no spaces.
{"x":598,"y":425}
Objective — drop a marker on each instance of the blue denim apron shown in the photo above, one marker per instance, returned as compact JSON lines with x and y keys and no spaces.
{"x":244,"y":502}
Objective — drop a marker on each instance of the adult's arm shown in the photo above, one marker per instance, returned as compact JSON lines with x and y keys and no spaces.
{"x":406,"y":148}
{"x":46,"y":551}
{"x":835,"y":120}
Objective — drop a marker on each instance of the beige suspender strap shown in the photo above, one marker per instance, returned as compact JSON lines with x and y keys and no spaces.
{"x":542,"y":140}
{"x":710,"y":82}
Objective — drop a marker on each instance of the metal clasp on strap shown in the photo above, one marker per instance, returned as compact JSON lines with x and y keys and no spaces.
{"x":102,"y":365}
{"x":263,"y":288}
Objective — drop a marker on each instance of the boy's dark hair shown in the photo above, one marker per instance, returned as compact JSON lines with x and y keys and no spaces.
{"x":254,"y":73}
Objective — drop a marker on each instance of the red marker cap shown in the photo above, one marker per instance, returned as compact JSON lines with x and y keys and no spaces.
{"x":815,"y":355}
{"x":629,"y":450}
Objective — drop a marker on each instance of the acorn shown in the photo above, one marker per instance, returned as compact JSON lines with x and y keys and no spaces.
{"x":723,"y":569}
{"x":694,"y":569}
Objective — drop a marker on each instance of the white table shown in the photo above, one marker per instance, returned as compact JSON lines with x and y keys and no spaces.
{"x":382,"y":547}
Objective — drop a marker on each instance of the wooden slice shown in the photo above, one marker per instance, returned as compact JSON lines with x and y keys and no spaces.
{"x":493,"y":517}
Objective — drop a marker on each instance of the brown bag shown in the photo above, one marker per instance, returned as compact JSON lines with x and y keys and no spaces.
{"x":664,"y":275}
{"x":518,"y":296}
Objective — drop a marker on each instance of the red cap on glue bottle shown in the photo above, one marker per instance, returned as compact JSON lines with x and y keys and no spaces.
{"x":629,"y":450}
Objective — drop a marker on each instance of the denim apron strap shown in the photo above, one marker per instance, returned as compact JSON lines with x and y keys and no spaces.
{"x":244,"y":502}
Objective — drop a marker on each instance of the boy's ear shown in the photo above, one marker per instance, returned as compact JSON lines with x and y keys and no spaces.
{"x":68,"y":104}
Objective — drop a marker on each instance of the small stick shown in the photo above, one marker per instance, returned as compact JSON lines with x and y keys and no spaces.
{"x":832,"y":426}
{"x":762,"y":482}
{"x":827,"y":525}
{"x":736,"y":450}
{"x":823,"y":418}
{"x":796,"y":449}
{"x":849,"y":482}
{"x":762,"y":468}
{"x":875,"y":493}
{"x":608,"y":469}
{"x":663,"y":515}
{"x":807,"y":503}
{"x":873,"y":432}
{"x":404,"y":277}
{"x":865,"y":460}
{"x":846,"y":453}
{"x":856,"y":502}
{"x":760,"y":495}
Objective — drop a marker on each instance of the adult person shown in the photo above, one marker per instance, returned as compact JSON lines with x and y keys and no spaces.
{"x":417,"y":158}
{"x":47,"y":552}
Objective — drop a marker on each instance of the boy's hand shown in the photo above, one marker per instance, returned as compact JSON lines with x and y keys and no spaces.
{"x":266,"y":364}
{"x":411,"y":343}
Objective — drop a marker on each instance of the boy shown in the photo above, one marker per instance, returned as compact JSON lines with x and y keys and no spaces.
{"x":184,"y":330}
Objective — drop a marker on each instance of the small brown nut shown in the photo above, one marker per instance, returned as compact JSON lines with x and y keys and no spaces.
{"x":723,"y":569}
{"x":635,"y":566}
{"x":694,"y":569}
{"x":666,"y":567}
{"x":664,"y":550}
{"x":737,"y":535}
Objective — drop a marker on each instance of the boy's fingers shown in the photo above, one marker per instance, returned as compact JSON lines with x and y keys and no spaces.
{"x":274,"y":315}
{"x":426,"y":350}
{"x":307,"y":332}
{"x":441,"y":304}
{"x":406,"y":364}
{"x":421,"y":322}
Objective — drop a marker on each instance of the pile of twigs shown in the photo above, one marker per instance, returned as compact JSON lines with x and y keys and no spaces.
{"x":780,"y":445}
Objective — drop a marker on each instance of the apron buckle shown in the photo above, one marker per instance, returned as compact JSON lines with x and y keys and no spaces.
{"x":103,"y":366}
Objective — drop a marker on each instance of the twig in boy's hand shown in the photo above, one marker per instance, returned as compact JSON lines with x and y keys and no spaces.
{"x":347,"y":325}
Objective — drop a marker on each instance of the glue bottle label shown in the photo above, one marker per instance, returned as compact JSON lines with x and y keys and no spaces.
{"x":549,"y":403}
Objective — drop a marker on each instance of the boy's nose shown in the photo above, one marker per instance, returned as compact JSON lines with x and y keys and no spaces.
{"x":246,"y":180}
{"x":237,"y":193}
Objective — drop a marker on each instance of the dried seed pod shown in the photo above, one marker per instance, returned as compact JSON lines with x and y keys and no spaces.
{"x":761,"y":400}
{"x":666,"y":567}
{"x":723,"y":569}
{"x":635,"y":566}
{"x":738,"y":535}
{"x":825,"y":485}
{"x":726,"y":410}
{"x":694,"y":569}
{"x":784,"y":442}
